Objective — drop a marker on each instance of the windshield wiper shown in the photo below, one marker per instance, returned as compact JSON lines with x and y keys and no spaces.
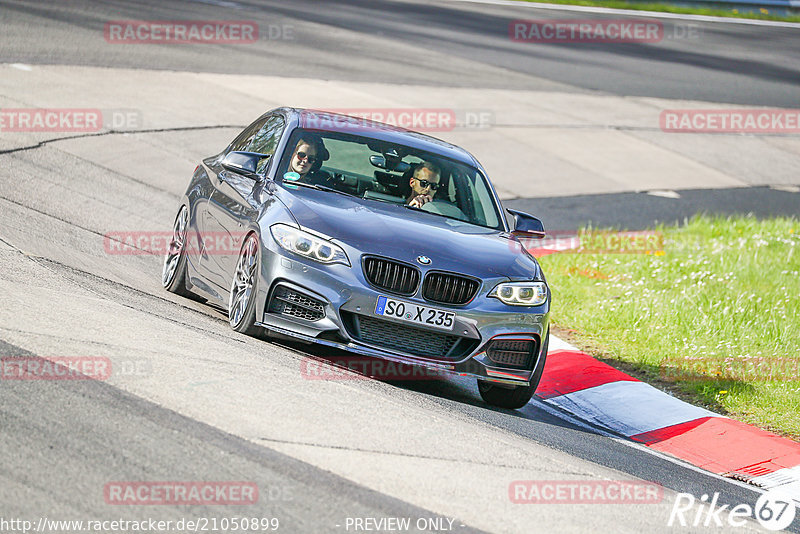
{"x":430,"y":212}
{"x":322,"y":188}
{"x":445,"y":216}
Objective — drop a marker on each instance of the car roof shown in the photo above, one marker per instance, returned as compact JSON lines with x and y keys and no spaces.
{"x":336,"y":122}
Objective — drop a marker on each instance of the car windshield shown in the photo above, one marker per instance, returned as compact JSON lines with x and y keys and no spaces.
{"x":382,"y":171}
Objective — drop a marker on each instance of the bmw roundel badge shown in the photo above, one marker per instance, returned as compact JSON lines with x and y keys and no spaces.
{"x":424,"y":260}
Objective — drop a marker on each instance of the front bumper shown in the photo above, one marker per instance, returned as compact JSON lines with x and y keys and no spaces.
{"x":343,"y":292}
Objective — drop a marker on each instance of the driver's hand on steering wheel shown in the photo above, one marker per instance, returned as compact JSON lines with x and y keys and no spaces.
{"x":420,"y":200}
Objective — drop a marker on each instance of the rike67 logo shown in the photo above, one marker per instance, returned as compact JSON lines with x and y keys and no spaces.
{"x":774,"y":510}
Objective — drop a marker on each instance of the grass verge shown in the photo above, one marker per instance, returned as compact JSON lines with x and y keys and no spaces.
{"x":715,"y":316}
{"x":762,"y":14}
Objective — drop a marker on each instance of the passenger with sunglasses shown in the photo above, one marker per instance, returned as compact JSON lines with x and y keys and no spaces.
{"x":308,"y":151}
{"x":424,"y":184}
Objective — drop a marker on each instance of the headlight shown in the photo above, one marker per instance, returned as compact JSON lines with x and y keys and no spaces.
{"x":308,"y":245}
{"x":521,"y":293}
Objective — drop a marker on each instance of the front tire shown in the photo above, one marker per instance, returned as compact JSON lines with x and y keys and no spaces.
{"x":242,"y":301}
{"x":514,"y":398}
{"x":173,"y":273}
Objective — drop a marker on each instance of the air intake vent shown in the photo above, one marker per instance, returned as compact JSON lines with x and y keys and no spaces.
{"x":511,"y":352}
{"x":446,"y":288}
{"x":391,"y":276}
{"x":286,"y":301}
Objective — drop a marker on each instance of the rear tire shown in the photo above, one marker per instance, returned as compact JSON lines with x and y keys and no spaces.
{"x":514,"y":397}
{"x":173,"y":272}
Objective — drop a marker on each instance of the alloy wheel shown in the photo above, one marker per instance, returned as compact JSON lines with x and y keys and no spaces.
{"x":175,"y":249}
{"x":243,"y":282}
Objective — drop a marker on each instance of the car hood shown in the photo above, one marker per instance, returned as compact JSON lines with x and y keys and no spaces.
{"x":391,"y":230}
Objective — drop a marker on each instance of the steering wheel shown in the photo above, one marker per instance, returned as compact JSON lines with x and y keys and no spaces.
{"x":443,"y":207}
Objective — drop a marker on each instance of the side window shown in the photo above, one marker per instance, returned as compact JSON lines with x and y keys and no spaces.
{"x":246,"y":137}
{"x":261,"y":137}
{"x":266,"y":139}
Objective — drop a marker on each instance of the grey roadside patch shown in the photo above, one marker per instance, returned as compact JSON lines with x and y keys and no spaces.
{"x":7,"y":349}
{"x":643,"y":210}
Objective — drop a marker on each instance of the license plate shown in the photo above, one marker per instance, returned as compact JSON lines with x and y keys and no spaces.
{"x":414,"y":313}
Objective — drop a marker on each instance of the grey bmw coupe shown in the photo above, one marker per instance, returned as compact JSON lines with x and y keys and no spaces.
{"x":370,"y":238}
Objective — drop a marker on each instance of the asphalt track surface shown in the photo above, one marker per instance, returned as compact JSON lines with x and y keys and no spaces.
{"x":218,"y":406}
{"x":425,"y":43}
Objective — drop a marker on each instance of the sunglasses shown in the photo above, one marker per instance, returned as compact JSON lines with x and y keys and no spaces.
{"x":424,"y":184}
{"x":303,"y":155}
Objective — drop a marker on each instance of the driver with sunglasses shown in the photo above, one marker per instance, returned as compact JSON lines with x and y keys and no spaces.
{"x":424,"y":184}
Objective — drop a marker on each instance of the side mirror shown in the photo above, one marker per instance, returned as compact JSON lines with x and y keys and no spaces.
{"x":526,"y":225}
{"x":245,"y":163}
